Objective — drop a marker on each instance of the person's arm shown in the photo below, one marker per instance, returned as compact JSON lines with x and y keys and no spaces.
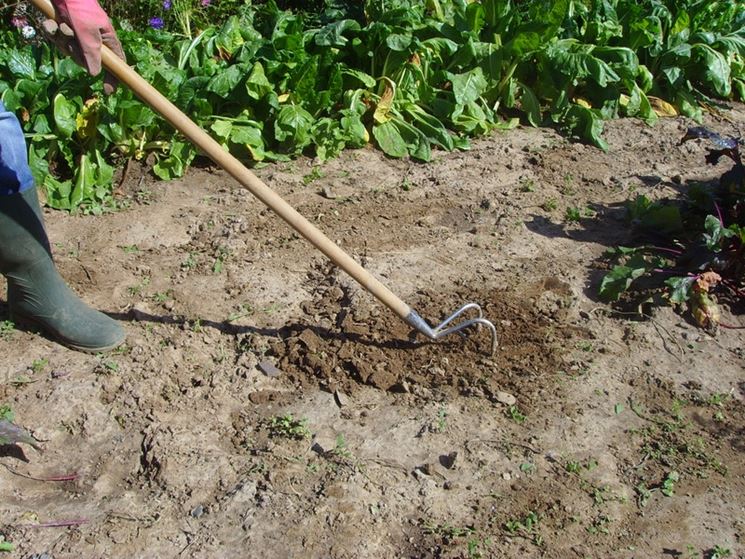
{"x":92,"y":28}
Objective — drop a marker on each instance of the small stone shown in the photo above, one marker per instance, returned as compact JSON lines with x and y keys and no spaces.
{"x":449,"y":460}
{"x":506,"y":398}
{"x":328,"y":193}
{"x":419,"y":474}
{"x":197,"y":511}
{"x":507,"y":476}
{"x":268,"y":368}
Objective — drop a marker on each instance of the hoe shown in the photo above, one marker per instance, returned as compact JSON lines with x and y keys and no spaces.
{"x":210,"y":147}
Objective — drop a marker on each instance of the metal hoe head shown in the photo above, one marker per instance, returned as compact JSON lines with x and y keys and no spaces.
{"x":442,"y":329}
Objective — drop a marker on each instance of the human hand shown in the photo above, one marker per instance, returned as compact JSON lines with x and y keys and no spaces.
{"x":84,"y":27}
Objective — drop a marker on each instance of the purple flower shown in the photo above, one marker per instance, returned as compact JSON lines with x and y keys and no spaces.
{"x":206,"y":3}
{"x":166,"y":4}
{"x":156,"y":22}
{"x":19,"y":22}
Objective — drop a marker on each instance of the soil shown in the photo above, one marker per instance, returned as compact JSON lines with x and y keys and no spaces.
{"x":267,"y":406}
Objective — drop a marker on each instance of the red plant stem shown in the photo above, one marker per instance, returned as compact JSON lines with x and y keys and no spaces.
{"x":670,"y":250}
{"x":64,"y":477}
{"x":719,"y":214}
{"x":729,"y":284}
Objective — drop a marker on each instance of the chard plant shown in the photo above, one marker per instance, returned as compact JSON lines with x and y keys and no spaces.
{"x":410,"y":76}
{"x":700,"y":245}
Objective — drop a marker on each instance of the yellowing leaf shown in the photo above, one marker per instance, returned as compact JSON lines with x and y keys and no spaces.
{"x":86,"y":120}
{"x":386,"y":102}
{"x":583,"y":102}
{"x":705,"y":311}
{"x":283,"y":98}
{"x":661,"y":107}
{"x":623,"y":100}
{"x":707,"y":280}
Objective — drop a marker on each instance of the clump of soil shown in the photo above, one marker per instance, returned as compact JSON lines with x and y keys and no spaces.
{"x":338,"y":345}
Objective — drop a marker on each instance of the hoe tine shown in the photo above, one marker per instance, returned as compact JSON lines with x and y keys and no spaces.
{"x":442,"y":329}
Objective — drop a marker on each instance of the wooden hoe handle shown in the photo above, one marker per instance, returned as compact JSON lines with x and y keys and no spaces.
{"x":128,"y":76}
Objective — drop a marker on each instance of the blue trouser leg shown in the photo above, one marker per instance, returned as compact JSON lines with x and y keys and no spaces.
{"x":15,"y":174}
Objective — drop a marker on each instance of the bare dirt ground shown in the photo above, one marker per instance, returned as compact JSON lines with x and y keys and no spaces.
{"x":588,"y":434}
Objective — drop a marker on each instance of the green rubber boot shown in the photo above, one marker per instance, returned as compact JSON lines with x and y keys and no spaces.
{"x":36,"y":292}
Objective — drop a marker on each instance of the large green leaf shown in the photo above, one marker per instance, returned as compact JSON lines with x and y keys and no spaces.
{"x":292,"y":126}
{"x":83,"y":182}
{"x":64,"y":115}
{"x":224,"y":82}
{"x":714,"y":69}
{"x":332,"y":35}
{"x":577,"y":62}
{"x":249,"y":136}
{"x":257,"y":83}
{"x":21,"y":63}
{"x":390,"y":140}
{"x":619,"y":279}
{"x":469,"y":86}
{"x":229,"y":37}
{"x":585,"y":123}
{"x":530,"y":105}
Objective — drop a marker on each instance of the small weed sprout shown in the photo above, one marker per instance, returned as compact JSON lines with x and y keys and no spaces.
{"x":514,"y":413}
{"x":7,"y":327}
{"x":39,"y":365}
{"x":526,"y":526}
{"x":719,"y":552}
{"x":130,"y":249}
{"x":527,"y":468}
{"x":340,"y":449}
{"x":6,"y":413}
{"x":315,"y":174}
{"x":441,"y":420}
{"x":668,"y":485}
{"x":190,"y":263}
{"x":599,"y":525}
{"x":527,"y":185}
{"x":162,"y":296}
{"x":286,"y":426}
{"x":550,"y":205}
{"x":6,"y":546}
{"x":222,"y":254}
{"x":573,"y":214}
{"x":446,"y":531}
